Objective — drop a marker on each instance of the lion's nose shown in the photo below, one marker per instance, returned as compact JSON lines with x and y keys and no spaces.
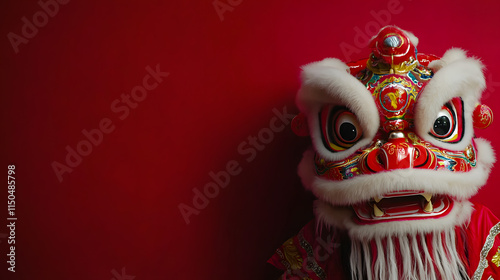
{"x":397,"y":152}
{"x":401,"y":151}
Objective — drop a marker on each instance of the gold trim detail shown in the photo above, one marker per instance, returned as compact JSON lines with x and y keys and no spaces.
{"x":379,"y":67}
{"x":483,"y":262}
{"x":292,"y":255}
{"x":311,"y":261}
{"x":496,"y":258}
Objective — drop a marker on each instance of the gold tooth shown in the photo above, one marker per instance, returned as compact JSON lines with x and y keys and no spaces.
{"x":428,"y":207}
{"x":377,"y":211}
{"x":377,"y":199}
{"x":427,"y":196}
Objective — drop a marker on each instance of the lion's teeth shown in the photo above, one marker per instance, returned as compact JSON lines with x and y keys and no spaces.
{"x":427,"y":196}
{"x":377,"y":212}
{"x":428,"y":207}
{"x":377,"y":199}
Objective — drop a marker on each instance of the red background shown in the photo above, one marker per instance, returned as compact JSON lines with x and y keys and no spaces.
{"x":119,"y":207}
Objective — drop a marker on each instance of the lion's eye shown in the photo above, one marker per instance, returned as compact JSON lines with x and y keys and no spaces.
{"x":443,"y":126}
{"x":340,"y":128}
{"x":448,"y":125}
{"x":346,"y":127}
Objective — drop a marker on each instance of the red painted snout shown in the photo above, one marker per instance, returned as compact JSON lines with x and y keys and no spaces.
{"x":398,"y":153}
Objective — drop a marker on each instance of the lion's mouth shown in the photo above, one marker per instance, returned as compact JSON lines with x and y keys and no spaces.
{"x":403,"y":205}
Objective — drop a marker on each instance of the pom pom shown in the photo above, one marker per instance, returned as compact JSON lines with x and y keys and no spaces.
{"x":482,"y":116}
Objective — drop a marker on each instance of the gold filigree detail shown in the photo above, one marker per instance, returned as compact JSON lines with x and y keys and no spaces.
{"x":292,"y":254}
{"x":496,"y":258}
{"x":469,"y":153}
{"x":379,"y":67}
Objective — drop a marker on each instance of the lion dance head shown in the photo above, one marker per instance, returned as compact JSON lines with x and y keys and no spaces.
{"x":394,"y":160}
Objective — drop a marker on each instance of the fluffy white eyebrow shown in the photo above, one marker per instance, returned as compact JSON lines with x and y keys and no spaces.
{"x":456,"y":75}
{"x":329,"y":82}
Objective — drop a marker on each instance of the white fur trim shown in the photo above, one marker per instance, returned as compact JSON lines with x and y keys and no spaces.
{"x":457,"y":76}
{"x":343,"y":218}
{"x":459,"y":185}
{"x":448,"y":57}
{"x":329,"y":82}
{"x":412,"y":37}
{"x":415,"y":261}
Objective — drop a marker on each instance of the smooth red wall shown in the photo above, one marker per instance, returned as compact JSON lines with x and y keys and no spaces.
{"x":214,"y":85}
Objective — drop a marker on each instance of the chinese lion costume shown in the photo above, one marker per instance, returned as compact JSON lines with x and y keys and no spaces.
{"x":393,"y":164}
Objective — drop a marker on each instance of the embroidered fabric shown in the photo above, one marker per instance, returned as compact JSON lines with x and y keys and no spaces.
{"x":327,"y":254}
